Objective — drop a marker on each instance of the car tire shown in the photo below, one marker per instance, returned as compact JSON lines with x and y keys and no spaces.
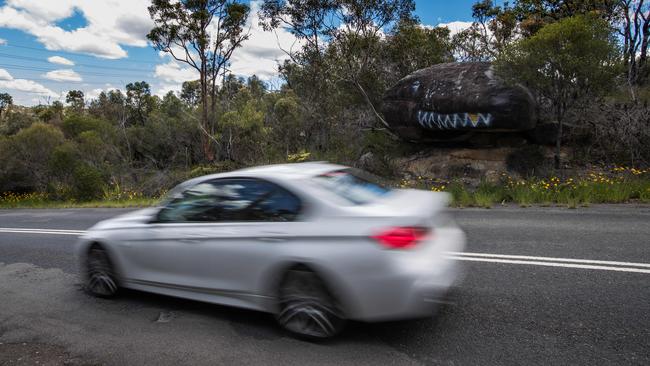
{"x":307,"y":308}
{"x":100,"y":278}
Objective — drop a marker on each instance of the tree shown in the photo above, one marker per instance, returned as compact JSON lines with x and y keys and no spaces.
{"x":191,"y":92}
{"x":634,"y":27}
{"x":565,"y":62}
{"x":533,"y":15}
{"x":411,"y":47}
{"x":139,"y":101}
{"x":348,"y":31}
{"x":76,"y":100}
{"x":203,"y":34}
{"x":5,"y":101}
{"x":494,"y":27}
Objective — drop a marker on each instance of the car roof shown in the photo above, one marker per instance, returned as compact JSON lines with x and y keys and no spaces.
{"x":287,"y":171}
{"x":294,"y":170}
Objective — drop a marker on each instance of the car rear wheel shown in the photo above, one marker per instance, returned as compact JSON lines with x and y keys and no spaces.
{"x":306,"y":308}
{"x":100,"y":274}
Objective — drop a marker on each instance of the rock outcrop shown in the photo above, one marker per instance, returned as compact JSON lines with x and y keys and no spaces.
{"x":450,"y":99}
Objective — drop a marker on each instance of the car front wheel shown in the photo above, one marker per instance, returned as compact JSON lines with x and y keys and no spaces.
{"x":100,"y":274}
{"x":306,"y":308}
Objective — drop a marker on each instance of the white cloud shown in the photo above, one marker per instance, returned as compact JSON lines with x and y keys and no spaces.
{"x":263,"y":51}
{"x":3,"y":41}
{"x":62,"y":75}
{"x":166,"y":88}
{"x":456,"y":27}
{"x":94,"y":93}
{"x":259,"y":55}
{"x":23,"y":85}
{"x":111,"y":24}
{"x":5,"y":75}
{"x":174,"y":72}
{"x":60,"y":60}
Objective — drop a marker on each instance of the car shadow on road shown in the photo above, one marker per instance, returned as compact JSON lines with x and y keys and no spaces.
{"x":261,"y":326}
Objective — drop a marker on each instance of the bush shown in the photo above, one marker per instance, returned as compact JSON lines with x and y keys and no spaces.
{"x":87,"y":183}
{"x":526,"y":161}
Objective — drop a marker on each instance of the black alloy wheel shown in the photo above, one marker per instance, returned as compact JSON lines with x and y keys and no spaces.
{"x":100,"y":274}
{"x":306,"y":308}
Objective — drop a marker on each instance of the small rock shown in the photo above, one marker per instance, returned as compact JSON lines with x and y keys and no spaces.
{"x":165,"y":317}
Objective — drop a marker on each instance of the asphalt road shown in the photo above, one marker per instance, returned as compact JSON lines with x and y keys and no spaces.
{"x":504,"y":312}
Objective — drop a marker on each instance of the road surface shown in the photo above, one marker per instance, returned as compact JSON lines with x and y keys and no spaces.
{"x":541,"y":286}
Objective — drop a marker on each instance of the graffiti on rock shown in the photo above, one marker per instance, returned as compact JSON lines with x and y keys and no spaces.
{"x":433,"y":120}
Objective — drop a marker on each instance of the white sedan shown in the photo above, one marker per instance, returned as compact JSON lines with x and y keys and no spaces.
{"x":315,"y":244}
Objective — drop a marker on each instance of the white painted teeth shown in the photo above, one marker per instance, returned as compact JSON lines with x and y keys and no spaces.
{"x":431,"y":120}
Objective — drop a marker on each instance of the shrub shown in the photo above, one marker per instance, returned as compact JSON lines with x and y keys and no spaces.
{"x":87,"y":183}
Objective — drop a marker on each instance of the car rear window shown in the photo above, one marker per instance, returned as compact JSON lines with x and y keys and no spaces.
{"x":354,"y":186}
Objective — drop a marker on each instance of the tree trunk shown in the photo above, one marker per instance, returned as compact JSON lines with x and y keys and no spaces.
{"x":208,"y":153}
{"x":558,"y":140}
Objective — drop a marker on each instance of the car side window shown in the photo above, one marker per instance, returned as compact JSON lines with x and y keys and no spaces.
{"x":235,"y":200}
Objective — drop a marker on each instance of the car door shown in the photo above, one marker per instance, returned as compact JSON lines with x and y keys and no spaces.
{"x":217,"y":237}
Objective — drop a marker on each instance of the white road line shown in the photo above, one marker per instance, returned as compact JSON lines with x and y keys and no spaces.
{"x":552,"y":264}
{"x":551,"y":259}
{"x":41,"y":231}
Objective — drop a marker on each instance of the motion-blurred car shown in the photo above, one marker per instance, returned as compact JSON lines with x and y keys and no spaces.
{"x":313,"y":243}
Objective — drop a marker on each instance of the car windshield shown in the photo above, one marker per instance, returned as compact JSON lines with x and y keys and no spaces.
{"x":354,"y":186}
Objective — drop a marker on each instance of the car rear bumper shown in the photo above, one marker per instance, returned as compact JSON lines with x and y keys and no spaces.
{"x":415,"y":291}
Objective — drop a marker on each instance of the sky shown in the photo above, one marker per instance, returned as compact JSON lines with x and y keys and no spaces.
{"x":48,"y":47}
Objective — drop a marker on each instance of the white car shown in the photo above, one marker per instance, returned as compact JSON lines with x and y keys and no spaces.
{"x":313,"y":243}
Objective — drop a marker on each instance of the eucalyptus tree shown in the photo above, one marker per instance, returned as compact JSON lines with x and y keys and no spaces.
{"x":204,"y":35}
{"x":340,"y":39}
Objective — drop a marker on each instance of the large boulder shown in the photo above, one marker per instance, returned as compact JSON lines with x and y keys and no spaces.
{"x":451,"y":99}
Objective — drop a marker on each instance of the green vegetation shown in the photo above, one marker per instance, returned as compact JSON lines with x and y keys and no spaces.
{"x":125,"y":147}
{"x":619,"y":185}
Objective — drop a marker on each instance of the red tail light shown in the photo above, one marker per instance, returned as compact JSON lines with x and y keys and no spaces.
{"x":400,"y":237}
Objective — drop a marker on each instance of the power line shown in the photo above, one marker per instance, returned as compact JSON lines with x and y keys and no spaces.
{"x":81,"y":65}
{"x":72,"y":53}
{"x":36,"y":68}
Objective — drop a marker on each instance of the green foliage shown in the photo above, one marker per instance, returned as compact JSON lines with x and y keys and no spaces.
{"x":461,"y":197}
{"x":88,"y":183}
{"x":26,"y":156}
{"x":567,"y":62}
{"x":15,"y":120}
{"x":5,"y":101}
{"x":76,"y":124}
{"x":139,"y":102}
{"x":75,"y":98}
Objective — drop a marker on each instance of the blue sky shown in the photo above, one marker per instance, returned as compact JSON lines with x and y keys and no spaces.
{"x":48,"y":47}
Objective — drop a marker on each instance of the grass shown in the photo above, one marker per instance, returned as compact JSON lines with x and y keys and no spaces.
{"x":42,"y":200}
{"x":618,"y":185}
